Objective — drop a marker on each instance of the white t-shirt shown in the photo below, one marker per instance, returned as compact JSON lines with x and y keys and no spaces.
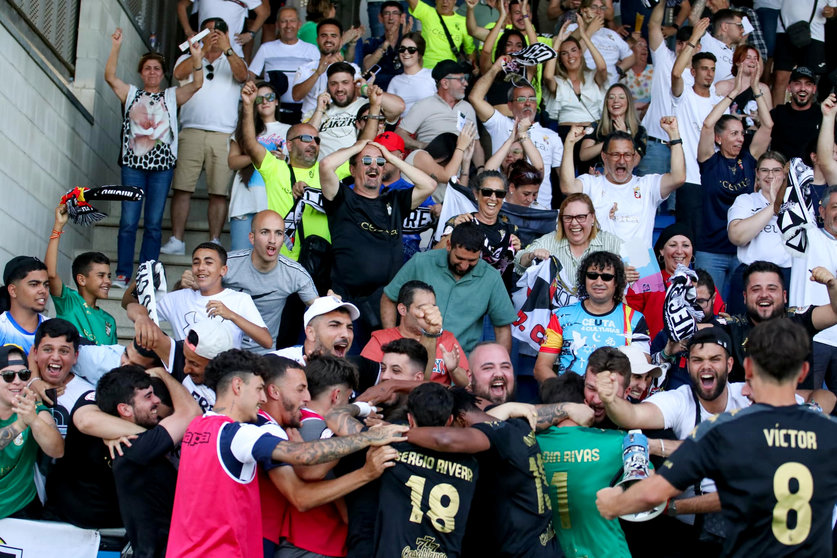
{"x":185,"y":307}
{"x":295,"y":353}
{"x":549,"y":145}
{"x":691,"y":110}
{"x":233,"y":12}
{"x":565,"y":106}
{"x":767,"y":245}
{"x":62,"y":412}
{"x":612,"y":47}
{"x":800,"y":10}
{"x":822,"y":251}
{"x":338,"y":126}
{"x":279,"y":56}
{"x":660,"y":104}
{"x":723,"y":56}
{"x":413,"y":88}
{"x":215,"y":105}
{"x":637,"y":201}
{"x":433,"y":116}
{"x":309,"y":103}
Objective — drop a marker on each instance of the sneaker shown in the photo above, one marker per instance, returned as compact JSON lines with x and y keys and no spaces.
{"x":216,"y":241}
{"x":120,"y":282}
{"x":174,"y":247}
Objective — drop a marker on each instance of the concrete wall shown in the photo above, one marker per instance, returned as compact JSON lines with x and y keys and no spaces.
{"x":47,"y":143}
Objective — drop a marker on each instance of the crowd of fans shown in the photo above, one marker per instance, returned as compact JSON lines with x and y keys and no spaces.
{"x":431,"y":231}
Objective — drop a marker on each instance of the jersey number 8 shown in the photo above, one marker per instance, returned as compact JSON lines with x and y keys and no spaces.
{"x":443,"y":501}
{"x":787,"y":501}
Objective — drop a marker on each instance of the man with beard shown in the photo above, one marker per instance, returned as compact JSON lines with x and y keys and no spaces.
{"x":625,"y":204}
{"x":456,"y":274}
{"x":310,"y":79}
{"x":337,"y":108}
{"x":796,"y":122}
{"x":328,"y":330}
{"x":523,"y":104}
{"x":765,"y":298}
{"x":145,"y":477}
{"x":367,"y":224}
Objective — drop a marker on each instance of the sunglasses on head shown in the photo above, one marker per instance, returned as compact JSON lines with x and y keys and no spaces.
{"x":411,"y":50}
{"x":269,"y":98}
{"x":209,"y":71}
{"x":486,"y":193}
{"x":367,"y":160}
{"x":306,"y":138}
{"x":9,"y":375}
{"x":592,"y":275}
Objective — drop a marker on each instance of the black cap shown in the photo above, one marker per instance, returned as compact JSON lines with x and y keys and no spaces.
{"x":675,"y":229}
{"x":714,"y":335}
{"x":802,"y":72}
{"x":448,"y":67}
{"x":11,"y":354}
{"x":16,"y":263}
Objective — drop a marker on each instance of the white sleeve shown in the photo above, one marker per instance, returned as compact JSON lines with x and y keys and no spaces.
{"x":741,"y":208}
{"x":303,"y":73}
{"x":557,"y":152}
{"x":624,"y":48}
{"x":257,"y":65}
{"x":671,"y":404}
{"x":243,"y":441}
{"x":166,"y":307}
{"x":247,"y":310}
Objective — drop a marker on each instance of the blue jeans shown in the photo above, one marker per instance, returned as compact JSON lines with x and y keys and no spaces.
{"x":769,"y":20}
{"x":240,"y":232}
{"x":657,"y":159}
{"x":720,"y":267}
{"x":155,"y":186}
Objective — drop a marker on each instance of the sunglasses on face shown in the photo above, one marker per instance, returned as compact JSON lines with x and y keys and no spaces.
{"x":411,"y":50}
{"x":209,"y":71}
{"x":463,"y":79}
{"x":367,"y":160}
{"x":606,"y":277}
{"x":306,"y":138}
{"x":9,"y":375}
{"x":269,"y":98}
{"x":487,"y":192}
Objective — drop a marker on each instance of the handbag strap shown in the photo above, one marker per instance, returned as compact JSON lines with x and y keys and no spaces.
{"x":810,"y":19}
{"x":453,"y":47}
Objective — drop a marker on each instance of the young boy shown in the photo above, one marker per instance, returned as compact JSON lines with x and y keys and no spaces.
{"x":233,"y":309}
{"x":91,"y":273}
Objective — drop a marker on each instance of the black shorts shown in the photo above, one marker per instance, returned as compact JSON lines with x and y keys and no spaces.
{"x":786,"y":56}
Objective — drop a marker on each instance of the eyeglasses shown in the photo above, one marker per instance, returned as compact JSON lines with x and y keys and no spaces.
{"x":581,"y":217}
{"x":367,"y":160}
{"x":702,"y":301}
{"x":269,"y":98}
{"x":606,"y":277}
{"x":770,"y":171}
{"x":597,"y":7}
{"x":306,"y":138}
{"x":209,"y":69}
{"x":411,"y":50}
{"x":486,"y":193}
{"x":620,"y":156}
{"x":391,"y":13}
{"x":737,"y":24}
{"x":463,"y":79}
{"x":9,"y":375}
{"x":524,"y":99}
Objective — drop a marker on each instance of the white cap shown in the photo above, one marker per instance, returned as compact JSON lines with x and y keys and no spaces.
{"x":209,"y":338}
{"x":326,"y":304}
{"x":639,"y":363}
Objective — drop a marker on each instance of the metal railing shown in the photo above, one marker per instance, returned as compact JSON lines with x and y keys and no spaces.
{"x":56,"y":23}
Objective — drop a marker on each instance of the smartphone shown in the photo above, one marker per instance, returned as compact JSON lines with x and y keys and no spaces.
{"x":221,"y":25}
{"x":53,"y":395}
{"x":371,"y":72}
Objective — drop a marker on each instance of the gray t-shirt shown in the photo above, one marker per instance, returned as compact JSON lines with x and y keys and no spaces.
{"x":268,"y":290}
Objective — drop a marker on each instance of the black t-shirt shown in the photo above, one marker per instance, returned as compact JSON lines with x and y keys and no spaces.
{"x":362,"y":506}
{"x":366,"y":238}
{"x":80,"y":487}
{"x":739,"y":328}
{"x":497,"y":250}
{"x":424,"y":503}
{"x":793,"y":129}
{"x":145,"y":483}
{"x":774,"y":468}
{"x":511,"y":514}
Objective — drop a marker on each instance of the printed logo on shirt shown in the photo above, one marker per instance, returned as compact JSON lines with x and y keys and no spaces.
{"x":426,"y":547}
{"x":196,"y":438}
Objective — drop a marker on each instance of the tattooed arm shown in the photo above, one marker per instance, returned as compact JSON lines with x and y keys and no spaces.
{"x":341,"y":420}
{"x":320,"y":451}
{"x":9,"y":433}
{"x":552,"y":414}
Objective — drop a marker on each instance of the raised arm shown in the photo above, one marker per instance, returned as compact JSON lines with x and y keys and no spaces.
{"x":598,"y":59}
{"x":424,"y":185}
{"x":655,"y":26}
{"x":622,"y":412}
{"x":42,"y":424}
{"x":328,"y":167}
{"x":120,"y":88}
{"x":185,"y":92}
{"x":301,"y":89}
{"x":185,"y":406}
{"x":825,"y":141}
{"x":521,"y":131}
{"x":742,"y":231}
{"x":474,"y":30}
{"x":825,"y":316}
{"x":249,"y":143}
{"x":183,"y":17}
{"x":761,"y":139}
{"x":569,"y":183}
{"x":684,"y":59}
{"x":706,"y":144}
{"x":675,"y":177}
{"x":56,"y":286}
{"x":491,"y":40}
{"x":482,"y":107}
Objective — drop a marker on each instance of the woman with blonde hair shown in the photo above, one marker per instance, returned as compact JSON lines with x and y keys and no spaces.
{"x":618,"y":113}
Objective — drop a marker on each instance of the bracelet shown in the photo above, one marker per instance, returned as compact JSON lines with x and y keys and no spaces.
{"x":376,"y":117}
{"x":252,"y":33}
{"x":33,"y":380}
{"x":677,"y":141}
{"x":691,"y":44}
{"x":198,"y":69}
{"x":731,"y":100}
{"x":55,"y":234}
{"x":662,"y":448}
{"x":460,"y":149}
{"x":526,"y":16}
{"x":434,"y":335}
{"x":761,"y":94}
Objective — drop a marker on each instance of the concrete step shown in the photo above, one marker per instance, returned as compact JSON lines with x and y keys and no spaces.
{"x":106,"y":232}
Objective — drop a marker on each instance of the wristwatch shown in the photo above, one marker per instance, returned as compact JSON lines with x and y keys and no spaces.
{"x":229,"y":52}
